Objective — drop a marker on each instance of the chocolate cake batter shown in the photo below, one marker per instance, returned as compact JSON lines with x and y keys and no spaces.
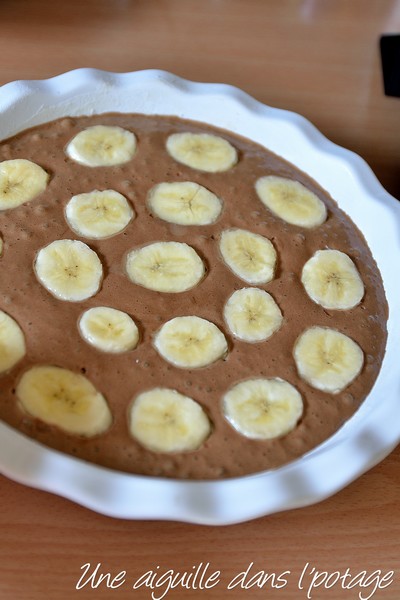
{"x":50,"y":325}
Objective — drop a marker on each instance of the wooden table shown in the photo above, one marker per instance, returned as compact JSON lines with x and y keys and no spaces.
{"x":317,"y":58}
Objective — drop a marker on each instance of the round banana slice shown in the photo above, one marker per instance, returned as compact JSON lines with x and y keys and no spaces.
{"x":102,"y":146}
{"x":291,"y":201}
{"x":252,"y":315}
{"x":327,"y":359}
{"x":65,"y":399}
{"x":184,"y":203}
{"x":12,"y":342}
{"x":20,"y":181}
{"x":331,"y":279}
{"x":190,"y":342}
{"x":109,"y":329}
{"x":163,"y":420}
{"x":202,"y":151}
{"x":69,"y":270}
{"x":98,"y":214}
{"x":250,"y":256}
{"x":165,"y":267}
{"x":263,"y":409}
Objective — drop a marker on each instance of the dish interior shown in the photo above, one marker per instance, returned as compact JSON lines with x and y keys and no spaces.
{"x":54,"y":337}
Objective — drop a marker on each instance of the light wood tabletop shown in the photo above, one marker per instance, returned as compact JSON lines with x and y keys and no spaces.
{"x":320,"y":59}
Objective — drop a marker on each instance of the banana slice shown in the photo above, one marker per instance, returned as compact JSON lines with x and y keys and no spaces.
{"x":251,"y":257}
{"x":163,"y":420}
{"x":69,"y":270}
{"x":109,"y":329}
{"x":327,"y":359}
{"x":102,"y":146}
{"x":190,"y":342}
{"x":12,"y":342}
{"x":263,"y":409}
{"x":184,"y":203}
{"x":252,"y":315}
{"x":65,"y":399}
{"x":165,"y":267}
{"x":1,"y":246}
{"x":291,"y":201}
{"x":202,"y":151}
{"x":331,"y":279}
{"x":98,"y":215}
{"x":20,"y":181}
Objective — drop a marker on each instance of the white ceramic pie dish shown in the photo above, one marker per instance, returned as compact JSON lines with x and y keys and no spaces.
{"x":362,"y":442}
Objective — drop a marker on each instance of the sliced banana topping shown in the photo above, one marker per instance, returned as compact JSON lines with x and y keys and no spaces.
{"x":184,"y":203}
{"x":327,"y":359}
{"x":252,"y":315}
{"x":20,"y":181}
{"x":291,"y":201}
{"x":65,"y":399}
{"x":69,"y":270}
{"x":109,"y":329}
{"x":163,"y":420}
{"x":251,"y":257}
{"x":12,"y":342}
{"x":202,"y":151}
{"x":263,"y":408}
{"x":190,"y":342}
{"x":331,"y":279}
{"x":98,"y":214}
{"x":165,"y":267}
{"x":102,"y":146}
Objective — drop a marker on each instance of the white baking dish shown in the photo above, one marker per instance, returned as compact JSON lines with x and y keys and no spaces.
{"x":361,"y":443}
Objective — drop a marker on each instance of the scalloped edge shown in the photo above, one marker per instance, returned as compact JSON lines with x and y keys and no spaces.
{"x":364,"y":440}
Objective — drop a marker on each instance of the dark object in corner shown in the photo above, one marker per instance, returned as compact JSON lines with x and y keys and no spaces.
{"x":390,"y":56}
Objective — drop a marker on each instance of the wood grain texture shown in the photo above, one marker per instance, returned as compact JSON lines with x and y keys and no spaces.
{"x":319,"y":59}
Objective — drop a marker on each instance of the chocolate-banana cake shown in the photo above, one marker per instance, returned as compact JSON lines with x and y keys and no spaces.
{"x":177,"y":300}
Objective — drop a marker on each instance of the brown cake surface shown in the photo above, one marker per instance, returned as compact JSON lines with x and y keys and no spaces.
{"x":50,"y":325}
